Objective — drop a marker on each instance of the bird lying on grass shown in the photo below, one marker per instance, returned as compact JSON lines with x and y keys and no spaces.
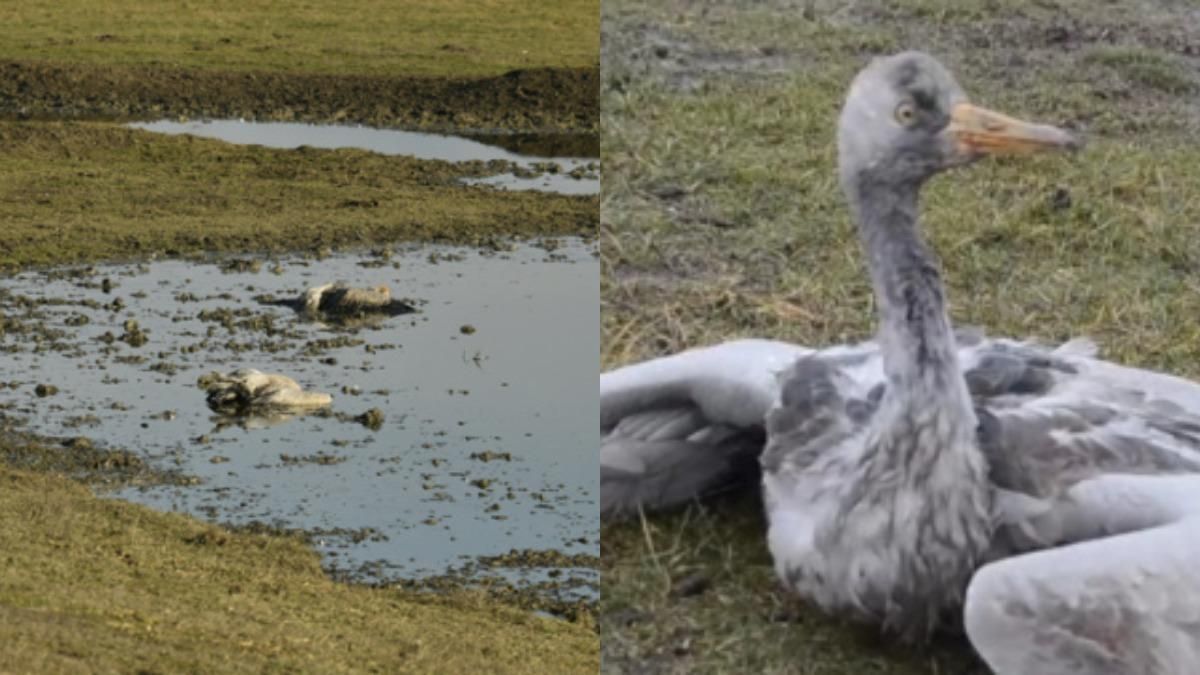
{"x":1047,"y":500}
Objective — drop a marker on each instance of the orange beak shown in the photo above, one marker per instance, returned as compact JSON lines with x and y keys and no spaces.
{"x":977,"y":132}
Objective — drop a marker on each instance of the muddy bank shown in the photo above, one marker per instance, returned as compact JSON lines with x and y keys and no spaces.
{"x":545,"y":145}
{"x":107,"y":585}
{"x":543,"y":100}
{"x":79,"y":458}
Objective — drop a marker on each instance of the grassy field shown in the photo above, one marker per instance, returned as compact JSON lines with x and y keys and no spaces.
{"x":73,"y":192}
{"x":455,"y":65}
{"x":436,"y":38}
{"x":106,"y":586}
{"x":721,"y":218}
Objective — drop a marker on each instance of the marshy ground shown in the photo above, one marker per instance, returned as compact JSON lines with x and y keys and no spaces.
{"x":455,"y":415}
{"x":109,"y":585}
{"x":424,"y":63}
{"x":721,"y":218}
{"x":80,"y":191}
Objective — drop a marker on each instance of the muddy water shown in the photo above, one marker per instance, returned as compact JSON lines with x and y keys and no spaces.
{"x":532,"y":171}
{"x":499,"y":363}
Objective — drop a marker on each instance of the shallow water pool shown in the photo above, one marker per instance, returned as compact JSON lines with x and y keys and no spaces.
{"x":488,"y":395}
{"x":537,"y":172}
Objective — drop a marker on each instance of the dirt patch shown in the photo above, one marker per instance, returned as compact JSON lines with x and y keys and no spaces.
{"x":682,"y":63}
{"x":535,"y":100}
{"x":545,"y":145}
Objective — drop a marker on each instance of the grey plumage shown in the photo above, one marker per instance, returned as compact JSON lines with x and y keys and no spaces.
{"x":659,"y":447}
{"x":667,"y":457}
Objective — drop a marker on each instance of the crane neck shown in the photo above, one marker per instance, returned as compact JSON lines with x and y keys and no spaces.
{"x":914,"y":329}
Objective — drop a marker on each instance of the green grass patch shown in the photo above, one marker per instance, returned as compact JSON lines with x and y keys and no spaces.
{"x":438,"y":38}
{"x":71,"y":192}
{"x":741,"y":623}
{"x":452,"y":66}
{"x":1145,"y":67}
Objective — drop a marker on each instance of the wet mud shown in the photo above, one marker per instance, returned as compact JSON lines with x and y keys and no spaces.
{"x":81,"y":458}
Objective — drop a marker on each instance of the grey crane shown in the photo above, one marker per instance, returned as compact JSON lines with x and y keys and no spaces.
{"x":1047,"y":500}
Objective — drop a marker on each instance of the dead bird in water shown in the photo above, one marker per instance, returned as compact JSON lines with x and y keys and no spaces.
{"x":247,"y":390}
{"x":338,"y":300}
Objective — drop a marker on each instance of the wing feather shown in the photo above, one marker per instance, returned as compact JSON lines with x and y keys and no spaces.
{"x":686,"y":425}
{"x":1049,"y":417}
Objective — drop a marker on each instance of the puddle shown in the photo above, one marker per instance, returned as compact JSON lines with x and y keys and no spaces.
{"x":570,"y":174}
{"x":488,"y":437}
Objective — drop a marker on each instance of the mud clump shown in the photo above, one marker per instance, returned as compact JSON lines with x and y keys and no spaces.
{"x":371,"y":419}
{"x":582,"y":172}
{"x":319,"y":346}
{"x":491,"y":456}
{"x":309,"y":535}
{"x":79,"y":443}
{"x":241,"y":266}
{"x":563,"y":594}
{"x":536,"y":169}
{"x":242,"y":318}
{"x":133,"y":336}
{"x":538,"y":558}
{"x":318,"y":458}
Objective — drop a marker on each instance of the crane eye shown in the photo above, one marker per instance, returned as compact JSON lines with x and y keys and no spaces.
{"x":906,"y":113}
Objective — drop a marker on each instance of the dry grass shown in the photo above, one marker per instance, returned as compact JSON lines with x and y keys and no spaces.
{"x":721,"y":218}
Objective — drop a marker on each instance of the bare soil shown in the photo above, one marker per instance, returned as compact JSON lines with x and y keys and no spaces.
{"x":542,"y":100}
